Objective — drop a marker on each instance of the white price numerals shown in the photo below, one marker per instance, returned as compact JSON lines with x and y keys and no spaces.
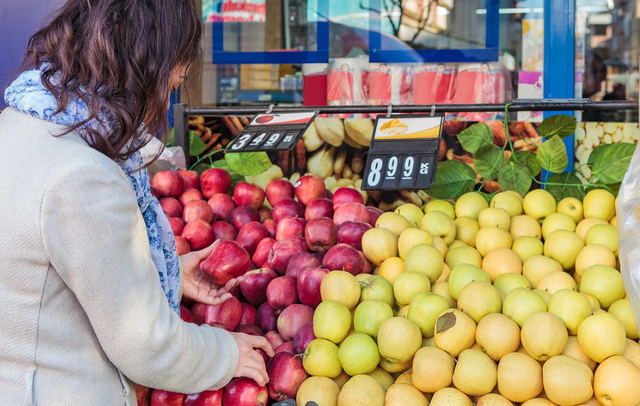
{"x":272,"y":140}
{"x":258,"y":140}
{"x":375,"y":172}
{"x":408,"y":168}
{"x":241,"y":142}
{"x":392,"y":167}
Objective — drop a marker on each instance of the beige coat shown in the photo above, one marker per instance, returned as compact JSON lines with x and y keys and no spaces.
{"x":80,"y":298}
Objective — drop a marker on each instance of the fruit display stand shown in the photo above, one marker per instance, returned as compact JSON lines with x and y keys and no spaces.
{"x":453,"y":295}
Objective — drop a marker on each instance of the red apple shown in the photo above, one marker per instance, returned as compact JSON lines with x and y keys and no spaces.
{"x":182,"y":245}
{"x":191,"y":179}
{"x":186,"y":315}
{"x":303,"y":338}
{"x":155,"y":192}
{"x":321,"y":234}
{"x":177,"y":225}
{"x":221,"y":206}
{"x":309,"y":187}
{"x":271,"y":226}
{"x":254,"y":285}
{"x":308,"y":285}
{"x":368,"y":266}
{"x":250,"y":236}
{"x":213,"y":181}
{"x":245,"y":392}
{"x":199,"y":234}
{"x":223,"y":231}
{"x":143,"y":395}
{"x":197,"y":210}
{"x":351,"y":212}
{"x":284,"y":347}
{"x":248,"y":314}
{"x":301,"y":261}
{"x":166,"y":398}
{"x":346,"y":195}
{"x":265,"y":357}
{"x":274,"y":338}
{"x":328,"y":194}
{"x":267,"y":318}
{"x":290,"y":227}
{"x":286,"y":375}
{"x":292,"y":319}
{"x":343,"y":257}
{"x":282,"y":292}
{"x":374,"y":213}
{"x":250,"y":329}
{"x":319,"y":208}
{"x":206,"y":398}
{"x":246,"y":194}
{"x":240,"y":216}
{"x":228,"y":260}
{"x":189,"y":195}
{"x":168,"y":183}
{"x":350,"y":232}
{"x":228,"y":314}
{"x":283,"y":251}
{"x":287,"y":208}
{"x":171,"y":207}
{"x":264,"y":119}
{"x":261,"y":253}
{"x":265,"y":213}
{"x":278,"y":190}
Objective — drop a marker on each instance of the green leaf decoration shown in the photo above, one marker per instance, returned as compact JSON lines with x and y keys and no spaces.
{"x":560,"y":125}
{"x":248,"y":163}
{"x":529,"y":159}
{"x":572,"y":186}
{"x":515,"y":177}
{"x":453,"y":179}
{"x":612,"y":161}
{"x":488,"y":196}
{"x":201,"y":167}
{"x":552,"y":155}
{"x":445,"y":322}
{"x":476,"y":137}
{"x":196,"y":145}
{"x":489,"y":160}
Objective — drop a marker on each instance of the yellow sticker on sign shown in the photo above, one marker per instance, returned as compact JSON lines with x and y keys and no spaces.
{"x":409,"y":128}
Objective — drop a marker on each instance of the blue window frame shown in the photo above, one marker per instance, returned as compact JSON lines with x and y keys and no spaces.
{"x":320,"y":55}
{"x":488,"y":54}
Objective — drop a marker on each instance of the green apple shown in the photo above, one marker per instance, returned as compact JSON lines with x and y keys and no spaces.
{"x":321,"y":359}
{"x":526,"y":247}
{"x":462,"y":275}
{"x":410,"y":238}
{"x":331,"y":321}
{"x":557,"y":221}
{"x":572,"y":207}
{"x":399,"y":339}
{"x":494,"y":217}
{"x":478,"y":299}
{"x":603,"y":282}
{"x":358,"y":354}
{"x":537,"y":267}
{"x":439,"y":224}
{"x":424,"y":309}
{"x":375,"y":287}
{"x":603,"y":234}
{"x":522,"y":302}
{"x":463,"y":255}
{"x":470,"y":205}
{"x":622,"y":310}
{"x":369,"y":315}
{"x":507,"y":282}
{"x":563,"y":246}
{"x":507,"y":201}
{"x":411,"y":212}
{"x":466,"y":230}
{"x":425,"y":259}
{"x":393,"y":222}
{"x":599,"y":203}
{"x":440,"y":205}
{"x":409,"y":284}
{"x":539,"y":204}
{"x":571,"y":307}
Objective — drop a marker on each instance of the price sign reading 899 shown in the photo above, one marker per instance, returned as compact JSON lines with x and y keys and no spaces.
{"x":403,"y":153}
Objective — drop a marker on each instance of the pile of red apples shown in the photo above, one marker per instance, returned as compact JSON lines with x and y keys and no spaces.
{"x":283,"y":239}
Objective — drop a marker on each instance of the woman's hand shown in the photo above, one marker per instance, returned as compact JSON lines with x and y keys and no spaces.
{"x":197,"y":286}
{"x":251,"y":364}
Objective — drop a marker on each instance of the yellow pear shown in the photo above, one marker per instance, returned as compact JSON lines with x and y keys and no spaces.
{"x":573,"y":350}
{"x":475,"y":373}
{"x":519,"y":377}
{"x":592,"y":402}
{"x":432,"y":369}
{"x":342,"y":287}
{"x":490,"y":238}
{"x":593,"y":254}
{"x":450,"y":397}
{"x":399,"y":339}
{"x":595,"y":304}
{"x":563,"y":246}
{"x":405,"y":378}
{"x":411,"y":237}
{"x":556,"y":281}
{"x":454,"y":332}
{"x":440,"y":205}
{"x":632,"y":352}
{"x":382,"y":377}
{"x":361,"y":390}
{"x":601,"y":336}
{"x":544,"y":336}
{"x":622,"y":310}
{"x":442,"y":289}
{"x":321,"y":359}
{"x":603,"y":234}
{"x":526,"y":247}
{"x":537,"y":266}
{"x":507,"y":201}
{"x":391,"y":268}
{"x":525,"y":226}
{"x":498,"y":335}
{"x":321,"y":390}
{"x":572,"y":207}
{"x":446,"y":271}
{"x":408,"y":284}
{"x":424,"y":259}
{"x":379,"y":244}
{"x":494,"y":217}
{"x":470,"y":205}
{"x":456,"y":244}
{"x":615,"y":382}
{"x":599,"y":203}
{"x":500,"y":261}
{"x":401,"y":395}
{"x":403,"y":312}
{"x":567,"y":381}
{"x":466,"y":230}
{"x":557,"y":221}
{"x":394,"y":367}
{"x":539,"y":204}
{"x":571,"y":307}
{"x":463,"y":255}
{"x":479,"y":299}
{"x":441,"y":246}
{"x":538,"y":402}
{"x":439,"y":224}
{"x":603,"y":282}
{"x":493,"y":399}
{"x":586,"y":224}
{"x":522,"y":302}
{"x":614,"y":221}
{"x":341,"y":379}
{"x":544,"y":294}
{"x":411,"y":212}
{"x":393,"y":222}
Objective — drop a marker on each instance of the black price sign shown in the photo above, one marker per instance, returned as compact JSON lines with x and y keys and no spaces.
{"x":273,"y":132}
{"x":404,"y":153}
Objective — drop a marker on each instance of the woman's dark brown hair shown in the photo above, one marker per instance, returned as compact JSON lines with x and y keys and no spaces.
{"x":118,"y":55}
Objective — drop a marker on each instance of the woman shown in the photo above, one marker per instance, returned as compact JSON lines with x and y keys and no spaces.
{"x":89,"y":275}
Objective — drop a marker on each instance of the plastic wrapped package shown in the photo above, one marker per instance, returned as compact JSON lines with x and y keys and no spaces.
{"x":347,"y":81}
{"x":390,"y":84}
{"x":172,"y":158}
{"x":315,"y":84}
{"x":433,"y":83}
{"x":628,"y":209}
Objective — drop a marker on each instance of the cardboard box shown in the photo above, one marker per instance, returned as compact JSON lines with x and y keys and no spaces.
{"x":259,"y":84}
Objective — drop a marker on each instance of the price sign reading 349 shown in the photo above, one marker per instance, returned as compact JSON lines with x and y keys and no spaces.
{"x":403,"y":153}
{"x":273,"y":132}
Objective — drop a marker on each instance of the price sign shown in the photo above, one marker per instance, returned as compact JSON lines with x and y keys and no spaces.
{"x":273,"y":132}
{"x":404,"y":153}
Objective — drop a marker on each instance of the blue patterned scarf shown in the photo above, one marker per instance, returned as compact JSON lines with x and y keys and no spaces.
{"x":28,"y":95}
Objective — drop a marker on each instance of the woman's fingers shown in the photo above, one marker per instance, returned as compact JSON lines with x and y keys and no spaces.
{"x":262,"y":343}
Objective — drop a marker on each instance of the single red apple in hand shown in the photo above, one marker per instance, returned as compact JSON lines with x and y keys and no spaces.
{"x":171,"y":207}
{"x":286,"y":374}
{"x":278,"y":190}
{"x":228,"y":314}
{"x":321,"y":234}
{"x":166,"y":398}
{"x":246,"y":194}
{"x":221,"y":206}
{"x":168,"y":183}
{"x":245,"y":392}
{"x":213,"y":181}
{"x":189,"y":195}
{"x":254,"y":286}
{"x":309,"y":187}
{"x":206,"y":398}
{"x":197,"y":210}
{"x":199,"y":234}
{"x":190,"y":178}
{"x":228,"y":260}
{"x":287,"y":208}
{"x":319,"y":208}
{"x":343,"y":257}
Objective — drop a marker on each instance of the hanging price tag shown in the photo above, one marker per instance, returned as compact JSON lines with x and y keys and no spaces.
{"x":273,"y":132}
{"x":404,"y":153}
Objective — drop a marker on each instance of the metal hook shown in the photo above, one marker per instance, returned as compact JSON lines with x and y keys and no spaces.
{"x":433,"y":109}
{"x":389,"y":108}
{"x":270,"y":109}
